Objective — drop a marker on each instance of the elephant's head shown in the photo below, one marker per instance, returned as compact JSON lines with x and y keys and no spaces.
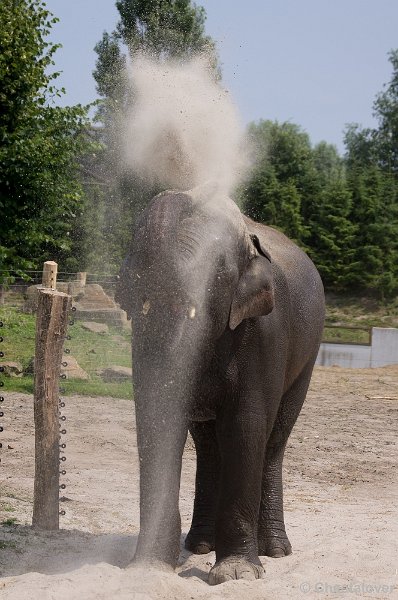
{"x":194,"y":275}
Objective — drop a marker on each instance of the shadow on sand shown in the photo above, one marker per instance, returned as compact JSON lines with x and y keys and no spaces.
{"x":23,"y":550}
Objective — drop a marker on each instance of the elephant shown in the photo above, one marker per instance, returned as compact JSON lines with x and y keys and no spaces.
{"x":227,"y":317}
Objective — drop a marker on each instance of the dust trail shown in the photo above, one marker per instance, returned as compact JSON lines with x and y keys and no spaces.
{"x":183,"y":129}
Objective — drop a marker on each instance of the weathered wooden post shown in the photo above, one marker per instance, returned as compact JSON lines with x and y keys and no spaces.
{"x":81,"y":278}
{"x":51,"y":326}
{"x":50,"y":269}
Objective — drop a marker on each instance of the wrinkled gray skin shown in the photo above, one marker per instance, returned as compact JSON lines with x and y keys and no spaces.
{"x":227,"y":318}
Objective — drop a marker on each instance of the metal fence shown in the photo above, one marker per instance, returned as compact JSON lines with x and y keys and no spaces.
{"x":97,"y":356}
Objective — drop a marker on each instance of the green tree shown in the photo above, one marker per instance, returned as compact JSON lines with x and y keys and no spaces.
{"x":328,"y":163}
{"x":386,"y":112}
{"x":372,"y":166}
{"x":40,"y":144}
{"x":331,"y":230}
{"x":304,"y":192}
{"x":279,"y":190}
{"x":378,"y":146}
{"x":375,"y":214}
{"x":163,"y":29}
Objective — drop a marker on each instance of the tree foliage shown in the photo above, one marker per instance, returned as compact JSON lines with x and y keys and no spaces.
{"x":372,"y":167}
{"x":342,"y":211}
{"x":61,"y":199}
{"x":40,"y":143}
{"x":163,"y":29}
{"x":276,"y":191}
{"x":386,"y":112}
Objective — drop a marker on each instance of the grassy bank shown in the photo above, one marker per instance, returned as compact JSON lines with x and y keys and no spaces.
{"x":96,"y":351}
{"x":92,"y":351}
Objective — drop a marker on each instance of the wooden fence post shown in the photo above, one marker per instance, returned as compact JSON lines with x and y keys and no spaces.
{"x":51,"y":326}
{"x":81,"y":278}
{"x":50,"y":269}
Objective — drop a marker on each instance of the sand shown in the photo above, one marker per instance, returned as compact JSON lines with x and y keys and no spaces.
{"x":341,"y":496}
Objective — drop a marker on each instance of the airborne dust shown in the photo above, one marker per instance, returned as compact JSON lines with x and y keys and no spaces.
{"x":183,"y":129}
{"x":183,"y":132}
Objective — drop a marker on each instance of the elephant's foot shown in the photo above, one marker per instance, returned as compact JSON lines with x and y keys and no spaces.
{"x":200,"y":540}
{"x":148,"y":564}
{"x":235,"y":567}
{"x":162,"y":551}
{"x":275,"y":544}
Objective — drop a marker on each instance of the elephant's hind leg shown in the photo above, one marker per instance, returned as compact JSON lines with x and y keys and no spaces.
{"x":272,"y":537}
{"x":200,"y":538}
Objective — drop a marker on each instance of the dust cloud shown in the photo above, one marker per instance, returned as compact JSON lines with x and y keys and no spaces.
{"x":183,"y":129}
{"x":183,"y":132}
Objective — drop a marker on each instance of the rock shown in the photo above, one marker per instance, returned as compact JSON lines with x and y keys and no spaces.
{"x":72,"y":370}
{"x":95,"y":327}
{"x":96,"y":305}
{"x":74,"y":289}
{"x":12,"y":369}
{"x":115,"y":373}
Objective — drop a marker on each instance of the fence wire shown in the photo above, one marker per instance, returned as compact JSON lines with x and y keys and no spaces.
{"x":97,"y":355}
{"x":97,"y":350}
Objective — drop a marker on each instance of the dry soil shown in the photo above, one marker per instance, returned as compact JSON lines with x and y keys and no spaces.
{"x":341,"y":493}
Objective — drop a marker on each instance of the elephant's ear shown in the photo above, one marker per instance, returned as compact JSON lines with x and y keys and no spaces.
{"x":254,"y":295}
{"x":260,"y":249}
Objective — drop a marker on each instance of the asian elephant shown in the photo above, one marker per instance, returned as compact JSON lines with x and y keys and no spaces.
{"x":227,"y":317}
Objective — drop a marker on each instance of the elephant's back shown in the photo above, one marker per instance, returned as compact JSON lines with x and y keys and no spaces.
{"x":284,"y":252}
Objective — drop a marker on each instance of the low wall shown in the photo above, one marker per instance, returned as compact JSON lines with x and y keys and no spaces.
{"x":383,"y":351}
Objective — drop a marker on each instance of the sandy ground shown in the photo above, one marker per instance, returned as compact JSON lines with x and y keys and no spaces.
{"x":341,"y":496}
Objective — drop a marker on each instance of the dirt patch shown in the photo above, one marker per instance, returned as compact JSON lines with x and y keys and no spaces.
{"x":341,"y":494}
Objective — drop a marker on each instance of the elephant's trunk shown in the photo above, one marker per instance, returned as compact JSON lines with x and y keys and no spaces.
{"x":162,"y":428}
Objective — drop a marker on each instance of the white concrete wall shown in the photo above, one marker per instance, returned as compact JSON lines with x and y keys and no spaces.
{"x":382,"y":352}
{"x":344,"y":355}
{"x":384,"y":346}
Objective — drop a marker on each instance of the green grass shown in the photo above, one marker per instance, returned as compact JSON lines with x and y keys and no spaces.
{"x":92,"y":351}
{"x":99,"y":350}
{"x":342,"y":335}
{"x":7,"y":545}
{"x":11,"y":521}
{"x":18,"y":332}
{"x":360,"y":311}
{"x":92,"y":387}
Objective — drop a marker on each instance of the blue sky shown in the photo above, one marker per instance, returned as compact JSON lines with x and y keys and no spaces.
{"x":317,"y":63}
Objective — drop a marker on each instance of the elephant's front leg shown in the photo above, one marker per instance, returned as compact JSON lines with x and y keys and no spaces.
{"x":161,"y":436}
{"x":242,"y":439}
